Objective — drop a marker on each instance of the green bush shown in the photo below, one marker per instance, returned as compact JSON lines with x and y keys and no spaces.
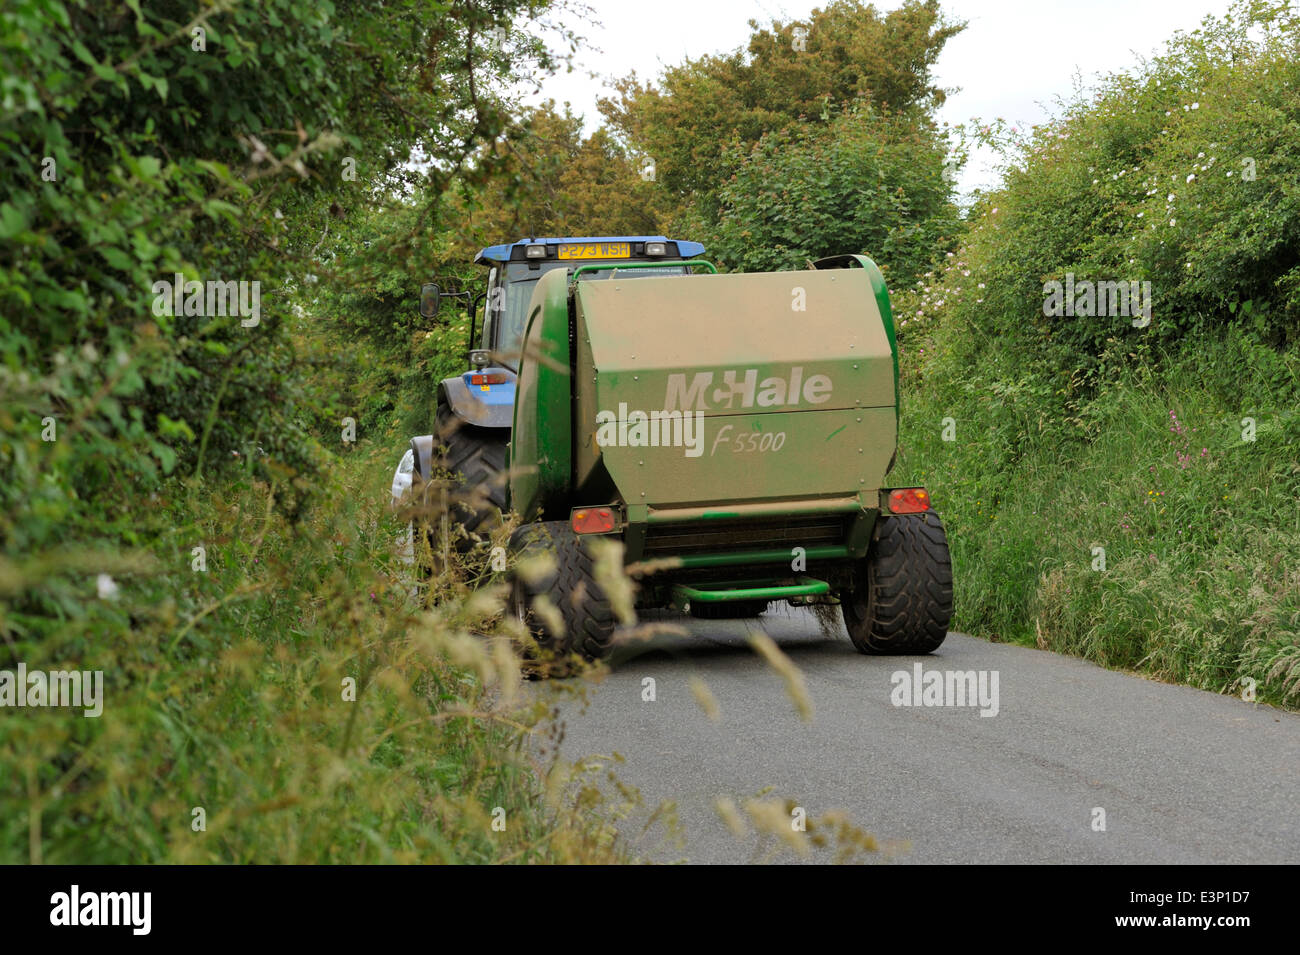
{"x":1182,"y":174}
{"x":1170,"y":446}
{"x":865,"y":182}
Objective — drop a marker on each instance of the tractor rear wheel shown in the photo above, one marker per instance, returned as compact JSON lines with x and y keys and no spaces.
{"x":901,"y":600}
{"x":476,"y":493}
{"x":586,"y":620}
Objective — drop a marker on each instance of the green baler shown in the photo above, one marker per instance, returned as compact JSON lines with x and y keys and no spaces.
{"x":735,"y":433}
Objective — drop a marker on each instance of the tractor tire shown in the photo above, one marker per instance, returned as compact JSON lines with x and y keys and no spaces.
{"x":902,"y":596}
{"x":728,"y":609}
{"x":476,"y":459}
{"x":588,"y":619}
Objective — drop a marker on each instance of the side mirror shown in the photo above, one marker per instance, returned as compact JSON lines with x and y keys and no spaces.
{"x":430,"y":296}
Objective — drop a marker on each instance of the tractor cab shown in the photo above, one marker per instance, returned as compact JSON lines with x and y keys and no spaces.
{"x":475,"y":409}
{"x":515,"y":269}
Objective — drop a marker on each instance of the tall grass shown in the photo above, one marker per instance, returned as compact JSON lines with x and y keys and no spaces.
{"x":225,"y":692}
{"x":1199,"y":525}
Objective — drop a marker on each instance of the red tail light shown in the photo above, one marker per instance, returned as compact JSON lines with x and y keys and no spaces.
{"x":496,"y":378}
{"x":909,"y":500}
{"x":593,"y":520}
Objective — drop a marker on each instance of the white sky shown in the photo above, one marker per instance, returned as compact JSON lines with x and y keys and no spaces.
{"x":1013,"y":60}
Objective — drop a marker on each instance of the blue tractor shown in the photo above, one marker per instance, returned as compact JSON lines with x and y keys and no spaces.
{"x":475,"y":410}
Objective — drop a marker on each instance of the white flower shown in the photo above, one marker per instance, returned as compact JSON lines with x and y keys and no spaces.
{"x":1140,"y":214}
{"x":1191,"y":176}
{"x":1200,"y":155}
{"x":106,"y":587}
{"x":1196,"y":106}
{"x":1173,"y":222}
{"x":1169,"y":198}
{"x":981,"y":285}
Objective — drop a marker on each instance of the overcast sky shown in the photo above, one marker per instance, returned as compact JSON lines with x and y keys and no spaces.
{"x":1012,"y":61}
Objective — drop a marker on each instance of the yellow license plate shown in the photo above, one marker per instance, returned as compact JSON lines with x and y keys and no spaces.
{"x":596,"y":250}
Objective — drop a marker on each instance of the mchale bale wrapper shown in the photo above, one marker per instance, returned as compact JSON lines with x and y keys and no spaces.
{"x":734,"y":433}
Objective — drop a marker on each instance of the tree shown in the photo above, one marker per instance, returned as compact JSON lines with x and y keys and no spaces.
{"x":790,"y":72}
{"x":864,"y":182}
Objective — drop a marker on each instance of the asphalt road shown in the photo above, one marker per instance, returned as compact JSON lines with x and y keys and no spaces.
{"x":1183,"y":776}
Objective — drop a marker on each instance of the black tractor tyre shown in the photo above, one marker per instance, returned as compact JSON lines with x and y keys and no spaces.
{"x":589,"y":621}
{"x":476,"y":493}
{"x":901,"y":601}
{"x":727,"y":609}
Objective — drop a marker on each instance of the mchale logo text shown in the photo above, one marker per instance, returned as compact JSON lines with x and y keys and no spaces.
{"x":743,"y":389}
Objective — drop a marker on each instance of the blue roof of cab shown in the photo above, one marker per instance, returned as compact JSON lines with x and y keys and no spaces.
{"x":501,"y":253}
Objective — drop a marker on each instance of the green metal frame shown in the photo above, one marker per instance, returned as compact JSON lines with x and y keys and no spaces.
{"x":543,"y":398}
{"x":881,"y":292}
{"x":807,"y":587}
{"x":616,"y":266}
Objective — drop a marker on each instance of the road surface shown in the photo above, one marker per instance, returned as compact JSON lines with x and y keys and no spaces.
{"x":1182,"y":775}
